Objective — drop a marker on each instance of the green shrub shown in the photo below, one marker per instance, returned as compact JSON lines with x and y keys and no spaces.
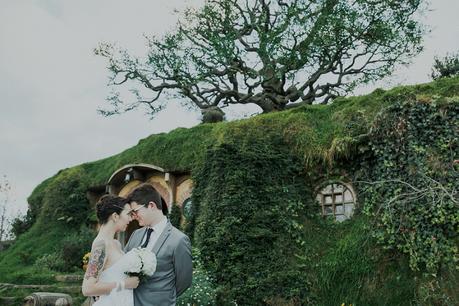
{"x":74,"y":247}
{"x":202,"y":291}
{"x":25,"y":258}
{"x":67,"y":257}
{"x":52,"y":261}
{"x":432,"y":292}
{"x":212,"y":115}
{"x":21,"y":224}
{"x":411,"y":185}
{"x":251,"y":198}
{"x":445,"y":67}
{"x":65,"y":199}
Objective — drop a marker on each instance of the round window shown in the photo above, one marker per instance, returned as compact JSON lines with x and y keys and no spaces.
{"x":337,"y":200}
{"x":187,"y":209}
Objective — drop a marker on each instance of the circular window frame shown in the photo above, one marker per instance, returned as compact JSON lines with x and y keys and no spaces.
{"x":347,"y":187}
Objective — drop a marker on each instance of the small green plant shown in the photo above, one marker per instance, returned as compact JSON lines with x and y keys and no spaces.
{"x":25,"y":257}
{"x":52,"y":261}
{"x":430,"y":292}
{"x":202,"y":291}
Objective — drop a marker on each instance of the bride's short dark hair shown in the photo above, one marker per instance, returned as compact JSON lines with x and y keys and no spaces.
{"x":107,"y":205}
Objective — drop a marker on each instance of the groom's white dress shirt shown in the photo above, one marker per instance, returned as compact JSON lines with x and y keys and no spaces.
{"x":157,"y":230}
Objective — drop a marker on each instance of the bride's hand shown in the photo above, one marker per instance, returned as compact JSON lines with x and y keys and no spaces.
{"x":131,"y":282}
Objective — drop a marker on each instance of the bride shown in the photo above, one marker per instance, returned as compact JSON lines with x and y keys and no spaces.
{"x":105,"y":277}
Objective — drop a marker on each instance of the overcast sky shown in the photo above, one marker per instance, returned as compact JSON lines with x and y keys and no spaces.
{"x":51,"y":83}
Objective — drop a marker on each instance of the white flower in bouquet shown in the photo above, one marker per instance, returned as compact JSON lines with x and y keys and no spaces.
{"x":149,"y":262}
{"x":134,"y":263}
{"x":141,"y":262}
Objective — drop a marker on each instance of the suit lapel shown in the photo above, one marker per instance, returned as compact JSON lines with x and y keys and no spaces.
{"x":162,"y":238}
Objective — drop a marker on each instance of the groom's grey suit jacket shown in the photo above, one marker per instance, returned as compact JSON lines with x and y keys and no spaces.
{"x":173,"y":270}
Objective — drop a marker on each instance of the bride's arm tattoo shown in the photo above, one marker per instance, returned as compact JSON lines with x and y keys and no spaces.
{"x":96,"y":261}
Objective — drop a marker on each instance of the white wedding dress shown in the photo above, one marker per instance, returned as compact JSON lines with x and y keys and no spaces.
{"x":116,"y":274}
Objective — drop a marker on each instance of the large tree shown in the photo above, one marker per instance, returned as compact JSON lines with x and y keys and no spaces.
{"x":272,"y":53}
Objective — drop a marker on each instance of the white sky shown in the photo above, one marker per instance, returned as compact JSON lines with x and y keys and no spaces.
{"x":51,"y":83}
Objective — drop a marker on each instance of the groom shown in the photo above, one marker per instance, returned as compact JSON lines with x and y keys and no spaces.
{"x":172,"y":249}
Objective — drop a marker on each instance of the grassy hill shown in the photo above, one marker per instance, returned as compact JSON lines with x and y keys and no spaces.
{"x":318,"y":135}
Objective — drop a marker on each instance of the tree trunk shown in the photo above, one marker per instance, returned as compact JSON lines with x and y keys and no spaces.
{"x":268,"y":106}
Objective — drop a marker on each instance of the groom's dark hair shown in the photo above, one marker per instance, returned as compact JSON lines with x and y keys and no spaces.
{"x":146,"y":193}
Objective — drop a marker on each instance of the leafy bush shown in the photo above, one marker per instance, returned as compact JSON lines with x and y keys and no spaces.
{"x":25,"y":258}
{"x":251,"y":198}
{"x":412,"y":184}
{"x":5,"y":244}
{"x":67,"y":257}
{"x":432,"y":292}
{"x":74,"y":247}
{"x":21,"y":224}
{"x":65,"y":198}
{"x":202,"y":291}
{"x":445,"y":67}
{"x":52,"y":261}
{"x":212,"y":115}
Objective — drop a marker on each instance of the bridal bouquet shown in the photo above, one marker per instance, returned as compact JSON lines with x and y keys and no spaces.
{"x":141,"y":263}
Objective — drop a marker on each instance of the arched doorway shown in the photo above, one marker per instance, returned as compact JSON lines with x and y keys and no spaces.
{"x":125,"y":179}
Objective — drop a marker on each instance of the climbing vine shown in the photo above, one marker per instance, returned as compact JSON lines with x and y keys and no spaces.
{"x":410,"y":182}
